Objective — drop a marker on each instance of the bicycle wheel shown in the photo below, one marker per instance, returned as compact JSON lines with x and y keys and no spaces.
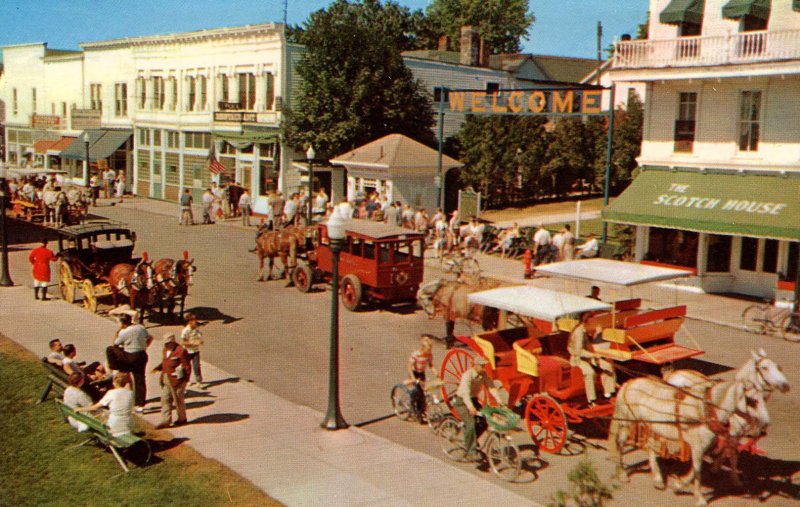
{"x":470,"y":267}
{"x":452,"y":439}
{"x":503,"y":457}
{"x":754,"y":317}
{"x":789,"y":331}
{"x":401,"y":403}
{"x":436,"y":411}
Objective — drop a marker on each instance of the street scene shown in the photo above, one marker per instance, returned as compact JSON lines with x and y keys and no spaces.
{"x":381,"y":253}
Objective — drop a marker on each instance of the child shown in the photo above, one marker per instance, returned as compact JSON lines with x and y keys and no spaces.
{"x":419,"y":362}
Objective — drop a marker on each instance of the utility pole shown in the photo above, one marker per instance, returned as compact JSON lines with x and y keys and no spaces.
{"x":599,"y":49}
{"x":285,"y":11}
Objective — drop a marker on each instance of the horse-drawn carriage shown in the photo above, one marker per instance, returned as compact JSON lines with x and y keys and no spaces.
{"x":378,"y":262}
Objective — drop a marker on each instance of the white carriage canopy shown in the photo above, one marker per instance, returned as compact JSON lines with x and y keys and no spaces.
{"x":610,"y":271}
{"x":543,"y":304}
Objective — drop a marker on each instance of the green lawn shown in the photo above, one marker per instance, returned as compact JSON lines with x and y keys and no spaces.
{"x":41,"y":464}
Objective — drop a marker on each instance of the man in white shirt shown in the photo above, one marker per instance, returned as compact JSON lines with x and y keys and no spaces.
{"x":541,"y":244}
{"x":108,"y":182}
{"x":208,"y":200}
{"x":588,"y":249}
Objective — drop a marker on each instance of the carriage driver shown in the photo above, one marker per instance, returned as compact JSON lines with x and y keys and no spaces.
{"x":581,"y":354}
{"x":467,"y":405}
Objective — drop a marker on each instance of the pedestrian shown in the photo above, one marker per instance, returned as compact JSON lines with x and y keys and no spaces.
{"x":129,"y":354}
{"x":466,"y":404}
{"x":94,"y":188}
{"x":208,"y":199}
{"x":541,"y":245}
{"x":277,"y":211}
{"x":119,"y":402}
{"x":588,"y":249}
{"x":187,"y":217}
{"x":556,"y":246}
{"x":290,"y":209}
{"x":568,"y":247}
{"x":174,"y":369}
{"x":191,"y":339}
{"x":108,"y":182}
{"x":234,"y":194}
{"x":120,"y":186}
{"x":245,"y":206}
{"x":40,"y":259}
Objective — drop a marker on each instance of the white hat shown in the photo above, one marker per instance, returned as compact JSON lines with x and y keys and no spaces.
{"x":124,"y":310}
{"x":169,"y":337}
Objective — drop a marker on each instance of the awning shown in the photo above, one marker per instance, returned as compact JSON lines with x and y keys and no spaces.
{"x":796,"y":5}
{"x":745,"y":204}
{"x":60,"y":145}
{"x":43,"y":145}
{"x":102,"y":144}
{"x":683,"y":11}
{"x":247,"y":136}
{"x":736,"y":9}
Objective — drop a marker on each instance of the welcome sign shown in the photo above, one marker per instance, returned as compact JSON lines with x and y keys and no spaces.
{"x":527,"y":102}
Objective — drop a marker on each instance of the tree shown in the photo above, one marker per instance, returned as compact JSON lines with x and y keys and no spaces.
{"x":627,"y":145}
{"x":356,"y":87}
{"x":568,"y":157}
{"x":501,"y":23}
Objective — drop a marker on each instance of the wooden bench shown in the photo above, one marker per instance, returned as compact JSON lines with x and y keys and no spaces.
{"x":101,"y":434}
{"x":56,"y":380}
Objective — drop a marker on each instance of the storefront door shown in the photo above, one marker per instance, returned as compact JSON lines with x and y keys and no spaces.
{"x":158,"y":179}
{"x":754,"y":266}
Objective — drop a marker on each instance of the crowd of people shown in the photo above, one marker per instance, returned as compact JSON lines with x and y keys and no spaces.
{"x":120,"y":385}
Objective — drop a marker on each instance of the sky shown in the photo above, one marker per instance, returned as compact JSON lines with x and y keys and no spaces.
{"x":562,"y":27}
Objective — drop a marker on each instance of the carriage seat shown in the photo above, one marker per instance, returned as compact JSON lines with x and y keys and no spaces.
{"x":112,"y":243}
{"x":497,"y":345}
{"x":526,"y":352}
{"x":555,"y":373}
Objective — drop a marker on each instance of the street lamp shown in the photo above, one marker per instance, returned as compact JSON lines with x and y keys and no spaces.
{"x":85,"y":138}
{"x":310,"y":154}
{"x":5,"y":277}
{"x":333,"y":418}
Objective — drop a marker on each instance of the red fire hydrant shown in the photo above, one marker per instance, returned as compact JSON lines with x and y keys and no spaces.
{"x":527,"y":260}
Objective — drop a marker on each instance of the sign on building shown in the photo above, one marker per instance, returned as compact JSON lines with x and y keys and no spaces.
{"x":45,"y":121}
{"x":469,"y":204}
{"x":83,"y":119}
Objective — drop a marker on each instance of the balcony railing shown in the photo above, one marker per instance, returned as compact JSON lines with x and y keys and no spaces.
{"x":746,"y":47}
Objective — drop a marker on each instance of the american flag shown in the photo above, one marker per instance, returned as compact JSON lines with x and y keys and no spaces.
{"x":214,"y":165}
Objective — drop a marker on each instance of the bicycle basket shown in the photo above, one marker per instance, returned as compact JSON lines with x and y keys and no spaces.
{"x":500,"y":418}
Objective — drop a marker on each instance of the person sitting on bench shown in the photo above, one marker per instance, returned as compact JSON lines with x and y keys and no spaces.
{"x":119,"y":402}
{"x":56,"y":356}
{"x":75,"y":397}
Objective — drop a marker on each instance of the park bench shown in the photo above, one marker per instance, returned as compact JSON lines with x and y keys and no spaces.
{"x":56,"y":380}
{"x":101,"y":434}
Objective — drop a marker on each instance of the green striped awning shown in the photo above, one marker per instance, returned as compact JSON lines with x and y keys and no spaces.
{"x":263,"y":135}
{"x":102,"y":144}
{"x":755,"y":205}
{"x":683,"y":11}
{"x":796,"y":5}
{"x":736,"y":9}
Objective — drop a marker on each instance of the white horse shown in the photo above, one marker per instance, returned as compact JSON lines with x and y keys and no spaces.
{"x":674,"y":414}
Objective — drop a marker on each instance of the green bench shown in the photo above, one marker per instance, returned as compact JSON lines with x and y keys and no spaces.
{"x":56,"y":380}
{"x":99,"y":433}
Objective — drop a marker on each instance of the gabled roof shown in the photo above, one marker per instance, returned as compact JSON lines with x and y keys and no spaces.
{"x":394,"y":151}
{"x":565,"y":69}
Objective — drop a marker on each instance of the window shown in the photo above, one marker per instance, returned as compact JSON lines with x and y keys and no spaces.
{"x":769,"y":264}
{"x":140,"y":83}
{"x":158,"y":93}
{"x":190,"y":85}
{"x":173,"y":99}
{"x":225,"y":94}
{"x":437,"y":94}
{"x":14,"y":104}
{"x":749,"y":124}
{"x":719,"y":254}
{"x":673,"y":246}
{"x":247,"y":91}
{"x":64,"y":109}
{"x":156,"y":137}
{"x":144,"y":137}
{"x":96,"y":96}
{"x":269,"y":176}
{"x":492,"y":88}
{"x":202,"y":90}
{"x":197,"y":140}
{"x":749,"y":254}
{"x":685,"y":123}
{"x":751,"y":44}
{"x":791,"y":262}
{"x":689,"y":48}
{"x":270,"y":98}
{"x":173,"y":139}
{"x":121,"y":99}
{"x":33,"y":99}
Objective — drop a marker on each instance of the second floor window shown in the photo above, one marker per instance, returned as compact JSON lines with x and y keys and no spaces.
{"x":202,"y":91}
{"x":749,"y":121}
{"x":33,"y":99}
{"x":685,"y":122}
{"x":96,"y":96}
{"x":269,"y":104}
{"x":190,"y":83}
{"x":247,"y":91}
{"x":173,"y":93}
{"x":121,"y":99}
{"x":14,"y":102}
{"x":158,"y":93}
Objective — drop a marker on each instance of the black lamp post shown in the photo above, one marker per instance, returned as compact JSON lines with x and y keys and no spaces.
{"x":86,"y":138}
{"x":5,"y":277}
{"x":333,"y":418}
{"x":310,"y":154}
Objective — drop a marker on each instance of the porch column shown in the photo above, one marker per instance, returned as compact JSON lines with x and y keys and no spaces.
{"x":642,"y":236}
{"x":702,"y":253}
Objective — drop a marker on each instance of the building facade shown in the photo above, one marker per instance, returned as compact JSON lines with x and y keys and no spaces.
{"x":718,"y":193}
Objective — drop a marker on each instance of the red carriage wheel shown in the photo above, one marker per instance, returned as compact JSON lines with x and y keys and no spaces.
{"x":351,"y":292}
{"x":454,"y":364}
{"x":546,"y":423}
{"x":303,"y":278}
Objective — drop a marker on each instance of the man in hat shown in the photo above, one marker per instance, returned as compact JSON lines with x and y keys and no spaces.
{"x":129,"y":354}
{"x":467,"y":405}
{"x":581,"y":354}
{"x":174,"y":370}
{"x":40,"y":259}
{"x":588,"y":249}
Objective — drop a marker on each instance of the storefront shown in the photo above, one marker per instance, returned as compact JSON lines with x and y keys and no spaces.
{"x":107,"y":149}
{"x":737,"y":231}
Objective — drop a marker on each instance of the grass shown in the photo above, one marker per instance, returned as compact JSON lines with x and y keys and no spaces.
{"x":550,"y":208}
{"x":41,"y":465}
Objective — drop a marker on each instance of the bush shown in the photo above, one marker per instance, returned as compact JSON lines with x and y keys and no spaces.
{"x":587,"y":489}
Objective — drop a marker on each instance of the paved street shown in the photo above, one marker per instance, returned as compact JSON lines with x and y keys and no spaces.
{"x":277,"y":339}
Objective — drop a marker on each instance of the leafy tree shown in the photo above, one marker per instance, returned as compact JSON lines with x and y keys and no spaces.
{"x":568,"y":156}
{"x":627,"y":145}
{"x":501,"y":23}
{"x":355,"y":85}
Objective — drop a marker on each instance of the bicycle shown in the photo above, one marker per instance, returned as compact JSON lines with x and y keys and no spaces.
{"x":461,"y":264}
{"x":768,"y":318}
{"x":434,"y":410}
{"x":498,"y":448}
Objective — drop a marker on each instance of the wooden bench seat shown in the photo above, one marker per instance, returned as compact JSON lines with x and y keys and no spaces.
{"x":56,"y":380}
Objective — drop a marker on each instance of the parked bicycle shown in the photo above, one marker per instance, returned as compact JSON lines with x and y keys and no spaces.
{"x":771,"y":319}
{"x":433,"y":409}
{"x":460,"y":263}
{"x":498,"y":447}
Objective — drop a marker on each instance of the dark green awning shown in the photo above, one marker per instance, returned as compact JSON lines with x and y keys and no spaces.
{"x":722,"y":203}
{"x":248,"y":135}
{"x":796,"y":5}
{"x":736,"y":9}
{"x":102,"y":144}
{"x":683,"y":11}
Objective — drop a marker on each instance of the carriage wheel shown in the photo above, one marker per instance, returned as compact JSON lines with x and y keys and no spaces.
{"x":454,"y":364}
{"x":546,"y":423}
{"x":351,"y":292}
{"x":303,"y":278}
{"x":66,"y":283}
{"x":89,"y":296}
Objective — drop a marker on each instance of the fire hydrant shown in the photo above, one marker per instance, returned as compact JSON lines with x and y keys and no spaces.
{"x":527,"y":260}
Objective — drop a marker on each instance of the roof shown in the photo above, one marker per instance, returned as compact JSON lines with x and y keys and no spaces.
{"x":378,"y":230}
{"x":563,"y":68}
{"x":91,"y":228}
{"x":394,"y":151}
{"x":434,"y":55}
{"x":610,"y":271}
{"x":536,"y":302}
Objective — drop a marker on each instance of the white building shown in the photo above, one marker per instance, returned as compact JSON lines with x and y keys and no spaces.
{"x":721,"y":149}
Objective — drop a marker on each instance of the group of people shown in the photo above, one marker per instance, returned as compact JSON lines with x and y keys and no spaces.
{"x":223,"y":201}
{"x":547,"y":247}
{"x":121,"y":386}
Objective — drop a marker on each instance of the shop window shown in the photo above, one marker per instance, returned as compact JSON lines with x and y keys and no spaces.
{"x":672,"y":246}
{"x":749,"y":254}
{"x":719,"y":254}
{"x":269,"y":177}
{"x":749,"y":121}
{"x":770,"y":262}
{"x":791,"y":262}
{"x":686,"y":121}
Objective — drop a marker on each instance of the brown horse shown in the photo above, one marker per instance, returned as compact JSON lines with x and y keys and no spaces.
{"x":135,"y":282}
{"x":285,"y":244}
{"x":173,"y":279}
